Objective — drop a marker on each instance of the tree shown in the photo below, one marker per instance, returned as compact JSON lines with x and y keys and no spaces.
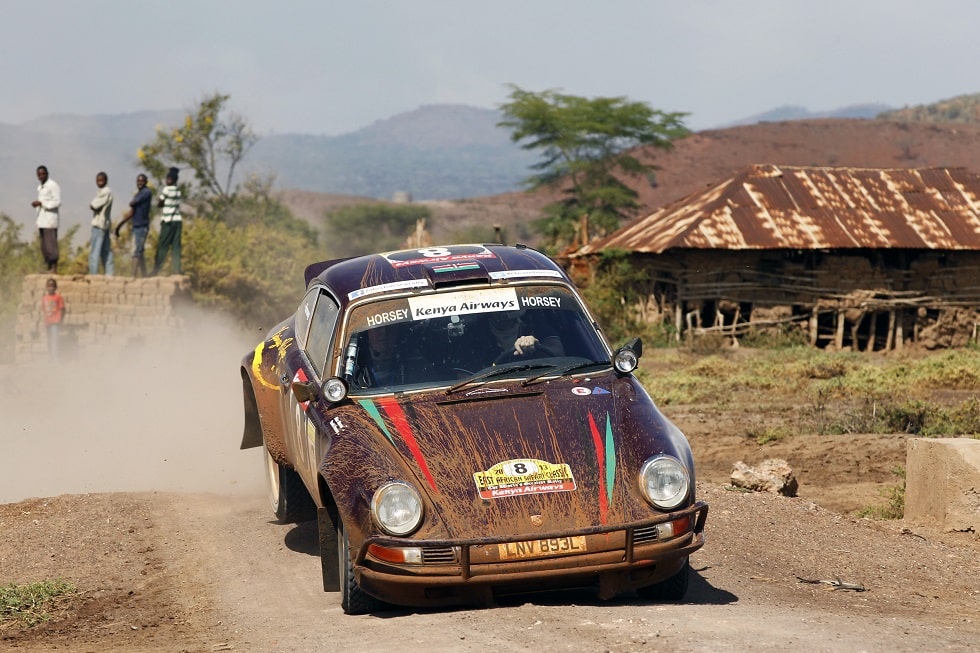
{"x":585,"y":146}
{"x":212,"y":142}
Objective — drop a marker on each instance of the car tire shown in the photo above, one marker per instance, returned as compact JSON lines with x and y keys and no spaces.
{"x":352,"y":598}
{"x":290,"y":501}
{"x":673,"y":589}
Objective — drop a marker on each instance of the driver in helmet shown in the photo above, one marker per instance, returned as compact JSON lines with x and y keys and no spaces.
{"x":515,"y":338}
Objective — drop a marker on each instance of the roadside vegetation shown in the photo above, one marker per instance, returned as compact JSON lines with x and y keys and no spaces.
{"x":928,"y":394}
{"x":28,"y":605}
{"x":808,"y":392}
{"x":894,"y":500}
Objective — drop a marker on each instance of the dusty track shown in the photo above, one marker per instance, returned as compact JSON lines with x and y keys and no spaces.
{"x":162,"y":524}
{"x":203,"y":572}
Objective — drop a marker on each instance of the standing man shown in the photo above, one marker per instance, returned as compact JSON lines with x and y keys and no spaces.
{"x":47,"y":204}
{"x":101,"y":243}
{"x":139,"y":213}
{"x":170,"y":223}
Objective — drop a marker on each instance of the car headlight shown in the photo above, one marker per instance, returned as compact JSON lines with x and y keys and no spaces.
{"x":665,"y":482}
{"x":397,"y":508}
{"x":625,"y":360}
{"x":334,"y":389}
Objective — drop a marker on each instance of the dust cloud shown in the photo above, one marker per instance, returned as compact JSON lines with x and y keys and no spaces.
{"x":162,"y":415}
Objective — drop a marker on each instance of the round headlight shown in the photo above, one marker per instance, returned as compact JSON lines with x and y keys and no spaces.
{"x":334,"y":389}
{"x":626,"y":360}
{"x":397,"y":508}
{"x":665,"y":482}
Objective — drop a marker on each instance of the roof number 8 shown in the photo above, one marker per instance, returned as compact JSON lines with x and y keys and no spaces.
{"x":435,"y":252}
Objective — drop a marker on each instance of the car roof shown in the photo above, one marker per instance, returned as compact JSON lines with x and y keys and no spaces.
{"x":432,"y":268}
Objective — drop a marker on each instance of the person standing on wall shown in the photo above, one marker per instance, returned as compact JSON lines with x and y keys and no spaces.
{"x":170,"y":223}
{"x":101,"y":242}
{"x":53,"y":311}
{"x":48,"y":204}
{"x":139,"y":213}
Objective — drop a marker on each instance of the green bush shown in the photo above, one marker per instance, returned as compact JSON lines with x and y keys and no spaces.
{"x":612,"y":296}
{"x":251,"y":267}
{"x":894,"y":495}
{"x":369,"y":228}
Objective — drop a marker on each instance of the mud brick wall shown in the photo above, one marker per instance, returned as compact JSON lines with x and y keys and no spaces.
{"x":101,"y":311}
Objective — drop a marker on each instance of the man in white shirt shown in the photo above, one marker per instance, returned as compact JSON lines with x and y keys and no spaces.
{"x":47,"y":204}
{"x":101,"y":243}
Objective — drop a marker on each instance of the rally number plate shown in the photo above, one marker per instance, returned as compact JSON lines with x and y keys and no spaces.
{"x":540,"y":548}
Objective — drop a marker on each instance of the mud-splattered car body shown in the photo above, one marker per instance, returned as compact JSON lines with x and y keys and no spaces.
{"x":462,"y":470}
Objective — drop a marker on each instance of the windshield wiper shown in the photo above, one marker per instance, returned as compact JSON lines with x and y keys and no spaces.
{"x":481,"y":377}
{"x":568,"y":369}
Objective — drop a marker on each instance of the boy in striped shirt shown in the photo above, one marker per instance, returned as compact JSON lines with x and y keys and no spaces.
{"x":170,"y":223}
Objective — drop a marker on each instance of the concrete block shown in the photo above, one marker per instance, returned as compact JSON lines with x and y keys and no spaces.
{"x":942,"y":483}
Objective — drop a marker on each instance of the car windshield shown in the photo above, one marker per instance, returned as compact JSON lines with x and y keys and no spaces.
{"x":445,"y":338}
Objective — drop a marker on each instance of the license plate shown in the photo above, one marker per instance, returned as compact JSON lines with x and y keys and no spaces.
{"x":555,"y":546}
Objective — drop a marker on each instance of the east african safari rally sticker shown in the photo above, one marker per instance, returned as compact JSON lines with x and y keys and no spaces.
{"x":515,"y":477}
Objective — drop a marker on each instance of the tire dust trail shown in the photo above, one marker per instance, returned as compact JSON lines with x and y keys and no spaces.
{"x":164,"y":416}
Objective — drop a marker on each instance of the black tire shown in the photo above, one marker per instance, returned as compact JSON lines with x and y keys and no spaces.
{"x":352,"y":599}
{"x":290,"y":501}
{"x":673,"y":589}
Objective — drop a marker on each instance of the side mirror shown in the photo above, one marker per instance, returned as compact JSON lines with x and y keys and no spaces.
{"x":627,"y":358}
{"x":334,"y":390}
{"x":304,"y":391}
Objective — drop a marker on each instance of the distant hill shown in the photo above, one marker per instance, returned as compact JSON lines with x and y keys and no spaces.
{"x":457,"y":158}
{"x":959,"y":109}
{"x":790,"y":112}
{"x":435,"y":152}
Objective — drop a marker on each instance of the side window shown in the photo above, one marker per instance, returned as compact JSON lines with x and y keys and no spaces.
{"x":322,"y":325}
{"x":303,"y":316}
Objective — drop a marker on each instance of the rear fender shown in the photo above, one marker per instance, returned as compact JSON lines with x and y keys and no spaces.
{"x":262,"y":420}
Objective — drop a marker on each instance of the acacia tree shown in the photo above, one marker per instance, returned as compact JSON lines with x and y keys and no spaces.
{"x":212,"y":142}
{"x":585,"y":146}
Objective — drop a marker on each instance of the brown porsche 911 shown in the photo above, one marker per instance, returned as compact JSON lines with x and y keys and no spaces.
{"x":460,"y":428}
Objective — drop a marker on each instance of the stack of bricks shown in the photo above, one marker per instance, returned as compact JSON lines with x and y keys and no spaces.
{"x":102,"y":311}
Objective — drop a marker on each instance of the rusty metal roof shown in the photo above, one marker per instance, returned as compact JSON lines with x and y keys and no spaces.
{"x":790,"y":207}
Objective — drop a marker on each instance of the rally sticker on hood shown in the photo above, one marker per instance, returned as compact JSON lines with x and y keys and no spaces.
{"x":523,"y":476}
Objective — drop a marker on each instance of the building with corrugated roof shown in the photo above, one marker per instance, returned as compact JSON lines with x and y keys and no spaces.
{"x":856,"y":257}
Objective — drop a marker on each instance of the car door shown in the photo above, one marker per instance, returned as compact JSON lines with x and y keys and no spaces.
{"x":316,"y":321}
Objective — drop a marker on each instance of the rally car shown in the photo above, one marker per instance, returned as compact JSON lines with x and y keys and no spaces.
{"x":457,"y":423}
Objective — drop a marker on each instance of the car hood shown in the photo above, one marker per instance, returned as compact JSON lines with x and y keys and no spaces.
{"x":501,"y":459}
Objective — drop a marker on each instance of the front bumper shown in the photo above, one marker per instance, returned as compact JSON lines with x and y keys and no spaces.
{"x":613,"y":560}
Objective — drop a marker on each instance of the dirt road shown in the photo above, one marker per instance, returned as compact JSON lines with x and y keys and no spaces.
{"x":205,"y":572}
{"x":153,"y":513}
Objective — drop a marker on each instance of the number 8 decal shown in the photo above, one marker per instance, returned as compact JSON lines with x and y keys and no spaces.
{"x":434,"y":252}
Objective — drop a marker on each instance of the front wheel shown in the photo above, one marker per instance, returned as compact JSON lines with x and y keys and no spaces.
{"x":672,"y":589}
{"x":288,"y":497}
{"x":352,"y":598}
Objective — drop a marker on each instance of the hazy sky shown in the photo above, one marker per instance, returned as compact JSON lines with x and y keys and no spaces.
{"x":335,"y":66}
